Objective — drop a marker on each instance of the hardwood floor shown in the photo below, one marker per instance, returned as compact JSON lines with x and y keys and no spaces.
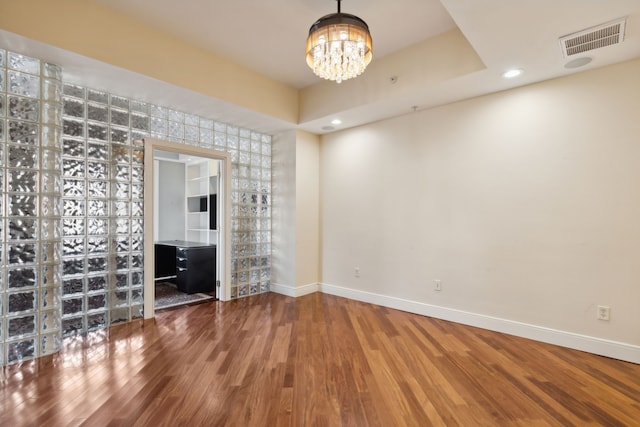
{"x":318,"y":360}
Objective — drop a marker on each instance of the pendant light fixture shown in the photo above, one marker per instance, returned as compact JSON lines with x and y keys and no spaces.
{"x":339,"y":46}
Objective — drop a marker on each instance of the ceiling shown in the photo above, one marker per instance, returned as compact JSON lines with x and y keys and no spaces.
{"x":268,"y":36}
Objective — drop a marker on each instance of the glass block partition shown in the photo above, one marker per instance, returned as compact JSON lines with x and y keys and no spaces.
{"x":72,"y":204}
{"x":30,"y":153}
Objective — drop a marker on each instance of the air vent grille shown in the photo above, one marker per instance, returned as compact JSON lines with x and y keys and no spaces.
{"x":593,"y":38}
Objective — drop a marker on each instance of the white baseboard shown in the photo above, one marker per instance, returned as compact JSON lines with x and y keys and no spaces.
{"x":294,"y":291}
{"x":602,"y":347}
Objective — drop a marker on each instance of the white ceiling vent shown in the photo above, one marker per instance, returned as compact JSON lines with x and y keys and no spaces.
{"x":593,"y":38}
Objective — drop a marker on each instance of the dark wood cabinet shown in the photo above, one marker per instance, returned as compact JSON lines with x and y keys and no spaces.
{"x":192,"y":263}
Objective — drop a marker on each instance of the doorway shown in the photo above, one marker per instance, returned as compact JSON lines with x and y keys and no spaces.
{"x":199,"y":219}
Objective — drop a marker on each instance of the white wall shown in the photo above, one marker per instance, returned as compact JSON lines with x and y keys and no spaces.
{"x":171,"y":201}
{"x":525,"y":204}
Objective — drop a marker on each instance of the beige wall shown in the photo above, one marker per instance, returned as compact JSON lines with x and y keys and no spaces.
{"x":295,"y":217}
{"x":307,"y":208}
{"x":91,"y":30}
{"x":525,"y":204}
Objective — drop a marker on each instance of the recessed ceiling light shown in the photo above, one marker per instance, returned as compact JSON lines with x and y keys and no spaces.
{"x":509,"y":74}
{"x":336,"y":121}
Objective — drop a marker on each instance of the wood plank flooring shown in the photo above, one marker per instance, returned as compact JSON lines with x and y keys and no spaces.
{"x":318,"y":360}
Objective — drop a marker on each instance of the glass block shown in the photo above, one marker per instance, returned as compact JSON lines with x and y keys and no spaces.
{"x":73,"y":247}
{"x":72,"y":306}
{"x":245,"y":144}
{"x":51,"y":136}
{"x":119,"y":298}
{"x":137,"y":244}
{"x":119,"y":135}
{"x":50,"y":252}
{"x":176,"y":130}
{"x":120,"y":102}
{"x":137,"y":279}
{"x":52,"y":114}
{"x":72,"y":266}
{"x":52,"y":71}
{"x":141,"y":107}
{"x":98,"y":208}
{"x":19,"y":254}
{"x":264,"y":287}
{"x":137,"y":208}
{"x":24,"y":84}
{"x":51,"y":160}
{"x":51,"y":297}
{"x":50,"y":206}
{"x":97,"y":245}
{"x":138,"y":136}
{"x":120,"y":208}
{"x":137,"y":190}
{"x":73,"y":90}
{"x":122,"y":225}
{"x":97,"y":132}
{"x":206,"y":136}
{"x":74,"y":188}
{"x":136,"y":261}
{"x":96,"y":151}
{"x":122,"y":172}
{"x":23,"y":132}
{"x":50,"y":343}
{"x":243,"y":290}
{"x":21,"y":350}
{"x":49,"y":229}
{"x":97,"y":226}
{"x":19,"y":302}
{"x":96,"y":302}
{"x":253,"y":289}
{"x":97,"y":264}
{"x":73,"y":167}
{"x":96,"y":283}
{"x":191,"y":133}
{"x":122,"y":280}
{"x":137,"y":311}
{"x":52,"y":91}
{"x":73,"y":128}
{"x":21,"y":277}
{"x":73,"y":147}
{"x":122,"y":262}
{"x":119,"y":315}
{"x":22,"y":205}
{"x":97,"y":189}
{"x":51,"y":183}
{"x":72,"y":286}
{"x":71,"y":326}
{"x":137,"y":174}
{"x":23,"y":181}
{"x":73,"y":107}
{"x":97,"y":112}
{"x":49,"y":321}
{"x":137,"y":226}
{"x":140,"y":122}
{"x":119,"y":117}
{"x":98,"y":96}
{"x":24,"y":108}
{"x":137,"y":156}
{"x":3,"y":55}
{"x":159,"y":126}
{"x":23,"y":229}
{"x":97,"y":321}
{"x":73,"y":226}
{"x":51,"y":274}
{"x":120,"y":153}
{"x":97,"y":170}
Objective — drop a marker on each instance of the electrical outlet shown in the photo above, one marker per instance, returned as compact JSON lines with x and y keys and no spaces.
{"x":604,"y":312}
{"x":356,"y":272}
{"x":437,"y":285}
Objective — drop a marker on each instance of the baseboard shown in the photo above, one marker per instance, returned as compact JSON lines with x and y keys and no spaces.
{"x":294,"y":291}
{"x":602,"y":347}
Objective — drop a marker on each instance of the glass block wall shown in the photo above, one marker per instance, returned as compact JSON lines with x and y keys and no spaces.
{"x":30,"y":248}
{"x":72,"y":204}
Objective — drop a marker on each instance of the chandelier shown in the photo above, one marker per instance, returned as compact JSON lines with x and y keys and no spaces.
{"x":339,"y":46}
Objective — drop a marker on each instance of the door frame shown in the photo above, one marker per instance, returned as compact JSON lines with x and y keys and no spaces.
{"x":223,"y":249}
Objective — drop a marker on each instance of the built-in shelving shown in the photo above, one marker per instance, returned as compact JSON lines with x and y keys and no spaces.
{"x":202,"y":189}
